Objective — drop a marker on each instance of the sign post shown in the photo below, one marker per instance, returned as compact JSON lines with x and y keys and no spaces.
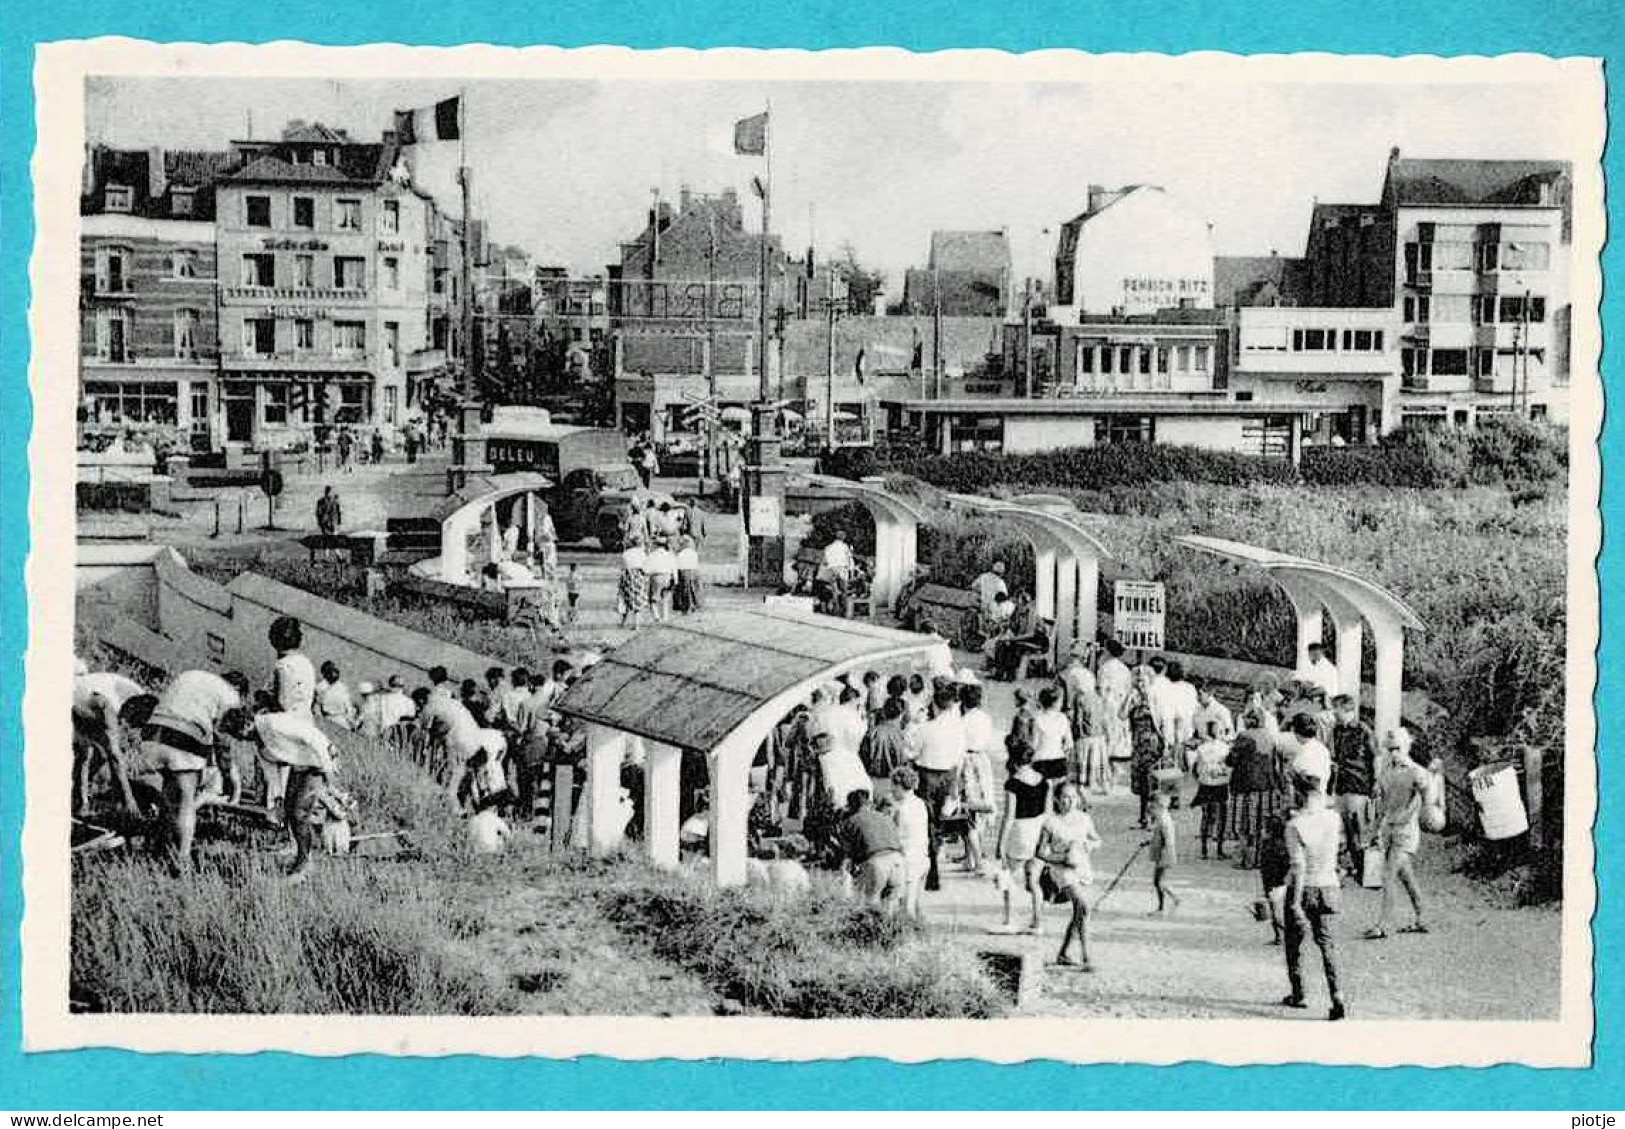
{"x":1138,"y":611}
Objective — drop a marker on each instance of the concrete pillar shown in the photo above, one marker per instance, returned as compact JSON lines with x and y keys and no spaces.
{"x":602,"y":802}
{"x":730,"y":808}
{"x":1389,"y":642}
{"x":1044,"y":581}
{"x":527,"y":501}
{"x":662,"y":795}
{"x":1309,"y":627}
{"x":1350,"y":634}
{"x":454,"y":549}
{"x":1088,"y":596}
{"x":887,"y":555}
{"x":1066,"y":603}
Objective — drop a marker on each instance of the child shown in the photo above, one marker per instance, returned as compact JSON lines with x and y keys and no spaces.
{"x":1273,"y":865}
{"x":976,"y":793}
{"x":572,"y":592}
{"x":1164,"y":846}
{"x":1064,"y":844}
{"x":1212,"y":792}
{"x":1025,"y":794}
{"x":913,"y":832}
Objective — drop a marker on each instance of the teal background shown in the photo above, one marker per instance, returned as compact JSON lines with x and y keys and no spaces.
{"x":123,"y":1081}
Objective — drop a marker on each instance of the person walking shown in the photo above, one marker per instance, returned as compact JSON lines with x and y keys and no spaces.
{"x":1252,"y":785}
{"x":1164,"y":853}
{"x":1065,"y":842}
{"x":545,"y":549}
{"x":1312,"y":894}
{"x":1354,"y":778}
{"x":661,"y":565}
{"x":632,"y":593}
{"x":939,"y":755}
{"x":329,"y":513}
{"x":686,"y":598}
{"x":1402,"y":792}
{"x":1019,"y":829}
{"x":913,"y":834}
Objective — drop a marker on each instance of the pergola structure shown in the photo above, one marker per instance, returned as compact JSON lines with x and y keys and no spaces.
{"x":461,"y":514}
{"x":1066,"y":556}
{"x":897,"y":525}
{"x":1354,"y":603}
{"x":716,"y":682}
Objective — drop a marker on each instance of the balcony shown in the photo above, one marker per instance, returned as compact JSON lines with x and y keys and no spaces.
{"x":295,"y":361}
{"x":302,"y":295}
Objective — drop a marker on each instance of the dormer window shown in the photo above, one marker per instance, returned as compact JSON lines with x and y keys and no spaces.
{"x":318,"y":156}
{"x":118,"y":198}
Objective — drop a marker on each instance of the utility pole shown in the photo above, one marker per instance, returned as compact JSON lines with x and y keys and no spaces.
{"x":936,"y":330}
{"x":829,"y":363}
{"x":1027,"y":384}
{"x":710,"y":340}
{"x":463,"y":178}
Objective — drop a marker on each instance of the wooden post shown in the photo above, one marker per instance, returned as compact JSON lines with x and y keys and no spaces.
{"x":1534,"y":794}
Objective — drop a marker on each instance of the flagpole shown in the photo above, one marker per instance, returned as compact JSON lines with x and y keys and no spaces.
{"x":767,"y":228}
{"x":468,"y":247}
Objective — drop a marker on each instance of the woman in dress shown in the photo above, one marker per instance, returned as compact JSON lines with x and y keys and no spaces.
{"x":661,"y":566}
{"x":1145,"y":743}
{"x":1065,"y":842}
{"x":1025,"y":793}
{"x":632,"y":594}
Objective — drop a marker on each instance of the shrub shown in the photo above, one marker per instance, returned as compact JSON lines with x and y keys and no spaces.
{"x":1093,"y":468}
{"x":824,"y":957}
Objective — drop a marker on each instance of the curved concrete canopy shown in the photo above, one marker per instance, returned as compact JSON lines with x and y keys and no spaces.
{"x":897,"y":522}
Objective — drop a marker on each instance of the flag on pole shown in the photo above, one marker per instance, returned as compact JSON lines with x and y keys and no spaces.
{"x":441,"y":122}
{"x":750,"y":136}
{"x":857,"y":365}
{"x":757,"y":186}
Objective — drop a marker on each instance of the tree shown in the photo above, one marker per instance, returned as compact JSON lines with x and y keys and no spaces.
{"x":863,"y":285}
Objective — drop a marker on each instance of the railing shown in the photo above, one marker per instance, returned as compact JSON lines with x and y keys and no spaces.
{"x":297,"y":293}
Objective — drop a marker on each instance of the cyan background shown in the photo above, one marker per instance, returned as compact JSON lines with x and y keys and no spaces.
{"x":117,"y":1080}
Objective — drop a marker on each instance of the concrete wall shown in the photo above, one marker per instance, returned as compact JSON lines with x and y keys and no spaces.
{"x":1045,"y":433}
{"x":225,"y":628}
{"x":1216,"y":433}
{"x":122,"y":574}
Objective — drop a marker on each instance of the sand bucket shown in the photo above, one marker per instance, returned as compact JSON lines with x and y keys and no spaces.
{"x":1500,"y":806}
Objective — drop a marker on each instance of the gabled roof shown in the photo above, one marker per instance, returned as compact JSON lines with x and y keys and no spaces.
{"x":356,"y":164}
{"x":270,"y":168}
{"x":1428,"y":181}
{"x":314,"y":132}
{"x":197,"y":168}
{"x":983,"y":251}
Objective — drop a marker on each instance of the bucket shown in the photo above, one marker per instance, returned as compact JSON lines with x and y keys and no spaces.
{"x":1372,"y":868}
{"x":1500,"y":806}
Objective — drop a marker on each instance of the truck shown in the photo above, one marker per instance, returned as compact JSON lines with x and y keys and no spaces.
{"x":594,"y":486}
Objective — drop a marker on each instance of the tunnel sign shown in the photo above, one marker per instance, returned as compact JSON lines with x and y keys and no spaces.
{"x":1137,"y":614}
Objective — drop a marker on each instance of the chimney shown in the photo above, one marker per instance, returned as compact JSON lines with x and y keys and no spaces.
{"x":156,"y":180}
{"x":1393,"y":155}
{"x":1097,"y":198}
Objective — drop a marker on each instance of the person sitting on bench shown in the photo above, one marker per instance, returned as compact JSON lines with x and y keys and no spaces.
{"x":1008,"y":655}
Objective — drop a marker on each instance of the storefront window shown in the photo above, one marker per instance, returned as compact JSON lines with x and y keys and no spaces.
{"x":130,"y":402}
{"x":1111,"y":430}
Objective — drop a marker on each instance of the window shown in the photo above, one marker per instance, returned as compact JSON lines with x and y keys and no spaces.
{"x":304,"y":212}
{"x":1449,"y":362}
{"x":392,"y":273}
{"x":304,"y":334}
{"x":259,"y":270}
{"x":183,"y":264}
{"x":118,"y":198}
{"x":257,"y":211}
{"x":1488,"y":256}
{"x":1314,"y":340}
{"x":304,"y":271}
{"x":1418,"y":308}
{"x":1125,"y":360}
{"x":199,"y":401}
{"x":349,"y":338}
{"x":318,"y":156}
{"x":392,"y":403}
{"x":1111,"y":430}
{"x":182,"y":202}
{"x":1267,"y":339}
{"x":1182,"y":358}
{"x":1162,"y":359}
{"x":276,"y":403}
{"x":186,"y":323}
{"x":575,"y":333}
{"x":1362,"y":340}
{"x":1199,"y":358}
{"x":1525,"y":256}
{"x":259,"y":336}
{"x":1453,"y":256}
{"x":113,"y":271}
{"x":976,"y":433}
{"x":347,"y":215}
{"x":113,"y":336}
{"x":1512,"y":309}
{"x":392,"y":344}
{"x":1106,"y":356}
{"x":1086,"y":358}
{"x":1145,"y":360}
{"x":1486,"y":362}
{"x":595,"y":334}
{"x":389,"y":221}
{"x":349,"y":273}
{"x":131,"y":402}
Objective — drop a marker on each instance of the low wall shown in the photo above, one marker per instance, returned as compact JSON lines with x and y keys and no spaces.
{"x":122,"y":574}
{"x":226,"y":628}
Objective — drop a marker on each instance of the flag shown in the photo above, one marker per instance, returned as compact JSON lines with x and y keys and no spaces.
{"x":441,"y":122}
{"x":750,"y":136}
{"x":757,"y":186}
{"x":857,"y":365}
{"x":917,"y":362}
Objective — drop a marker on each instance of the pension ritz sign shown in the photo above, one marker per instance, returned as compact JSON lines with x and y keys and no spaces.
{"x":1167,"y":287}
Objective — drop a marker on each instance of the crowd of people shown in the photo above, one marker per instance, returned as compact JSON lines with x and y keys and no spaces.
{"x":660,"y":564}
{"x":176,"y":751}
{"x":886,"y":773}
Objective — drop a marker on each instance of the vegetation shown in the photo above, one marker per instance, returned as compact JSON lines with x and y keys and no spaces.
{"x":425,"y":929}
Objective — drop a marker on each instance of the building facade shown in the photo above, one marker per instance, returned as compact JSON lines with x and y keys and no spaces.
{"x":149,"y":328}
{"x":967,"y":274}
{"x":328,"y":265}
{"x":1133,"y":251}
